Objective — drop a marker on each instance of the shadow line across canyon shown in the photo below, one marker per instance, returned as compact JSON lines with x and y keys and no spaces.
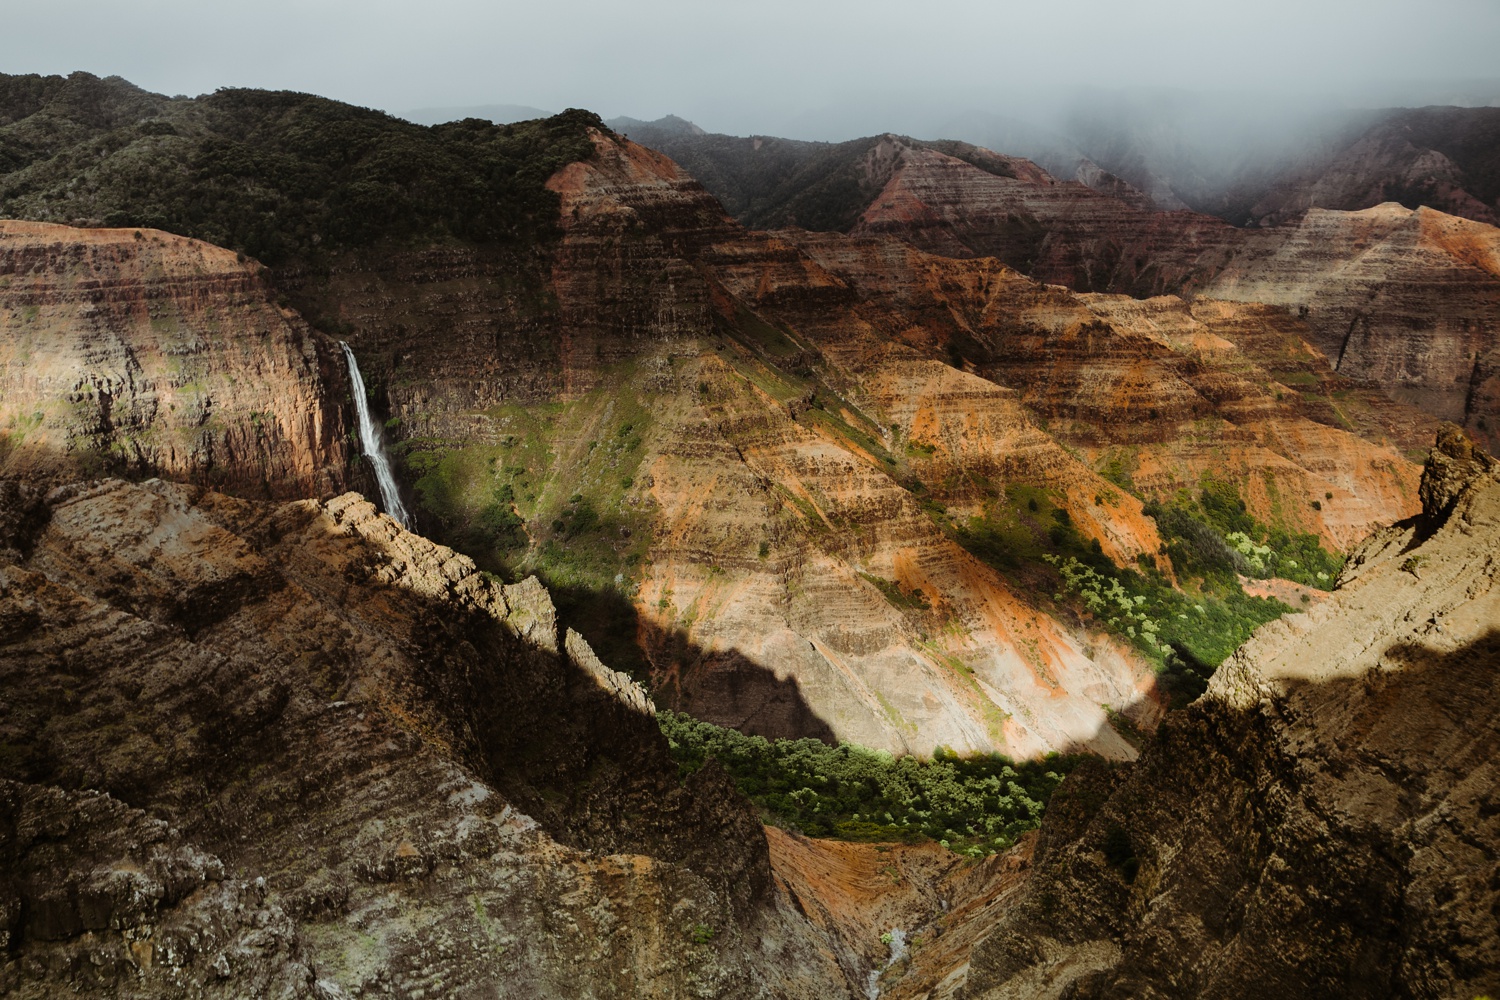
{"x":1355,"y":811}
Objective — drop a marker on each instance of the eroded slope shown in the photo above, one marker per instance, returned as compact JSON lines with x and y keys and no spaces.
{"x":1323,"y":822}
{"x":295,"y":750}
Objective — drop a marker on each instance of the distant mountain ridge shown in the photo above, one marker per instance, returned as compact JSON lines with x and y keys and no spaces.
{"x":1439,"y":157}
{"x":767,"y":182}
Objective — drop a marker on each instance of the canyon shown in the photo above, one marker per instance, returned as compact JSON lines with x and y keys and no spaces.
{"x":743,"y":460}
{"x":1009,"y":464}
{"x":1402,"y":298}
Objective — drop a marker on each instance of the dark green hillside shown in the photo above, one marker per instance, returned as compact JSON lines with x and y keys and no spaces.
{"x":280,"y":176}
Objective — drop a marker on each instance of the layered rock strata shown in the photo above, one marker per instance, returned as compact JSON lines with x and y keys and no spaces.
{"x":1405,"y":299}
{"x":1400,"y":299}
{"x":259,"y":750}
{"x":138,"y":352}
{"x":1322,"y":822}
{"x":765,"y":511}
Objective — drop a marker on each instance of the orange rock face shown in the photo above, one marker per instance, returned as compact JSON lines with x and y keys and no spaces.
{"x":857,"y":895}
{"x":146,"y":353}
{"x":1406,"y":300}
{"x":778,"y":522}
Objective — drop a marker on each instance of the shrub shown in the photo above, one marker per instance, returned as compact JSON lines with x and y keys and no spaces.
{"x":854,"y":793}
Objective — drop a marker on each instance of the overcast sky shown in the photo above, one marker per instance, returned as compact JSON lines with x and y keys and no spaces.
{"x":778,"y":66}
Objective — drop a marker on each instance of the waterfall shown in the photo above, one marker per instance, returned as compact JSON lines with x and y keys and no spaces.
{"x":369,"y":442}
{"x":895,"y":939}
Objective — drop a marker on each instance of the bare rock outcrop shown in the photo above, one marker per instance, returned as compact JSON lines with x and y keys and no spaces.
{"x":1322,"y":823}
{"x":295,"y":750}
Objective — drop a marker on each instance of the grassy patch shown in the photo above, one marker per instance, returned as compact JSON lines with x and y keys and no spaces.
{"x":557,"y":491}
{"x":912,"y":600}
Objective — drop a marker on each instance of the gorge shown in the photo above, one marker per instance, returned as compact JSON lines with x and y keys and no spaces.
{"x":1067,"y":590}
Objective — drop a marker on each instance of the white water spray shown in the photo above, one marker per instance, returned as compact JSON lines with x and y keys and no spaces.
{"x":369,"y":442}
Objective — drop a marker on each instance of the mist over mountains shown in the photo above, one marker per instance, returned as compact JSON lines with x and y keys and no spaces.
{"x":1249,"y":160}
{"x":890,"y":567}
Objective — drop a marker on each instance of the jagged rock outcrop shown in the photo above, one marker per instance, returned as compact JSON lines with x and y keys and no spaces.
{"x":1322,"y":823}
{"x":138,"y":352}
{"x":260,"y":750}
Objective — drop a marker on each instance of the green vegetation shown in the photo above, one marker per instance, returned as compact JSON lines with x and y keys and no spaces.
{"x":913,"y":600}
{"x":1210,"y":535}
{"x":1187,"y":629}
{"x":277,"y":175}
{"x":555,"y":493}
{"x":976,"y":805}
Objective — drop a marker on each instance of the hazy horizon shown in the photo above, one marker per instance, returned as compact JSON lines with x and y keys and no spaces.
{"x":831,"y":70}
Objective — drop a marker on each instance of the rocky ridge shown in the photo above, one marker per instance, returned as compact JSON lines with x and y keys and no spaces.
{"x":1438,"y":157}
{"x":298,"y":751}
{"x":1406,"y":299}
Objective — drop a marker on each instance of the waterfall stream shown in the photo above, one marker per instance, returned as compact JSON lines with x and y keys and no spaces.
{"x":895,"y":939}
{"x":370,"y":443}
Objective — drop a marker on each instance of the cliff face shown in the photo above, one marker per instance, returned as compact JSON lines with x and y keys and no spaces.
{"x":294,"y":750}
{"x":1405,"y":299}
{"x":1158,"y":386}
{"x":1321,"y":823}
{"x":760,"y":446}
{"x":138,"y":352}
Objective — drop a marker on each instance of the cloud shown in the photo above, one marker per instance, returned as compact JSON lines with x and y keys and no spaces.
{"x":745,"y":66}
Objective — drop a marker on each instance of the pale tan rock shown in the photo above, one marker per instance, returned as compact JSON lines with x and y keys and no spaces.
{"x":1321,"y":823}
